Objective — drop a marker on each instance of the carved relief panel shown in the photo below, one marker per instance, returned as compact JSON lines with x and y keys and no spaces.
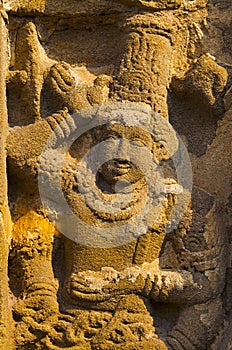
{"x":118,"y":223}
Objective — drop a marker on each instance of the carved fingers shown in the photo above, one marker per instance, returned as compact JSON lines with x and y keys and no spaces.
{"x":61,"y":78}
{"x":159,"y":285}
{"x":93,"y":288}
{"x":83,"y":289}
{"x":66,"y":88}
{"x":125,"y":286}
{"x":62,"y":124}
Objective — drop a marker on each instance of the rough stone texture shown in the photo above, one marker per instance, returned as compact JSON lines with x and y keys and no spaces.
{"x":6,"y":321}
{"x":158,"y":290}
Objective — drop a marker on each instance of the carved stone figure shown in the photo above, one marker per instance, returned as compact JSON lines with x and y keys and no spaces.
{"x":159,"y":290}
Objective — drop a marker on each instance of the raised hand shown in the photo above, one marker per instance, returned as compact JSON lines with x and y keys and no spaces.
{"x":66,"y":88}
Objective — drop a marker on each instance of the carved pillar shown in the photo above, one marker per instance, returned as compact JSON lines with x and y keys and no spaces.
{"x":5,"y":313}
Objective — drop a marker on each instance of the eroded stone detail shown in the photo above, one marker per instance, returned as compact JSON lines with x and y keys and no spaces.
{"x":161,"y":290}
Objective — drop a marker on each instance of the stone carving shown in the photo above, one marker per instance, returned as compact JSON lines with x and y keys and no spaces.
{"x":160,"y":290}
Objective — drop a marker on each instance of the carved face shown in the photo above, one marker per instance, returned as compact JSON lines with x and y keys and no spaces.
{"x":120,"y":168}
{"x":111,"y":183}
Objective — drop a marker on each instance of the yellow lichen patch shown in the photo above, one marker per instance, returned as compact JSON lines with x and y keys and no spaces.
{"x":32,"y":226}
{"x":6,"y":220}
{"x":29,"y":5}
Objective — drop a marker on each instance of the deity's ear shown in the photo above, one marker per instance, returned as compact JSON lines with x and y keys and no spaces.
{"x":160,"y":153}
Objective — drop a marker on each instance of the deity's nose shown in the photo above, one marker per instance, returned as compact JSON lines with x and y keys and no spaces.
{"x":123,"y":150}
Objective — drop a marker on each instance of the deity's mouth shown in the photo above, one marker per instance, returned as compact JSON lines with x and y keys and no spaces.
{"x":120,"y":167}
{"x":122,"y":163}
{"x":116,"y":168}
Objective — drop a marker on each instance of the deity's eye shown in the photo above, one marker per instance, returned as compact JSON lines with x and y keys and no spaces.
{"x":110,"y":139}
{"x":138,"y":142}
{"x":113,"y":136}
